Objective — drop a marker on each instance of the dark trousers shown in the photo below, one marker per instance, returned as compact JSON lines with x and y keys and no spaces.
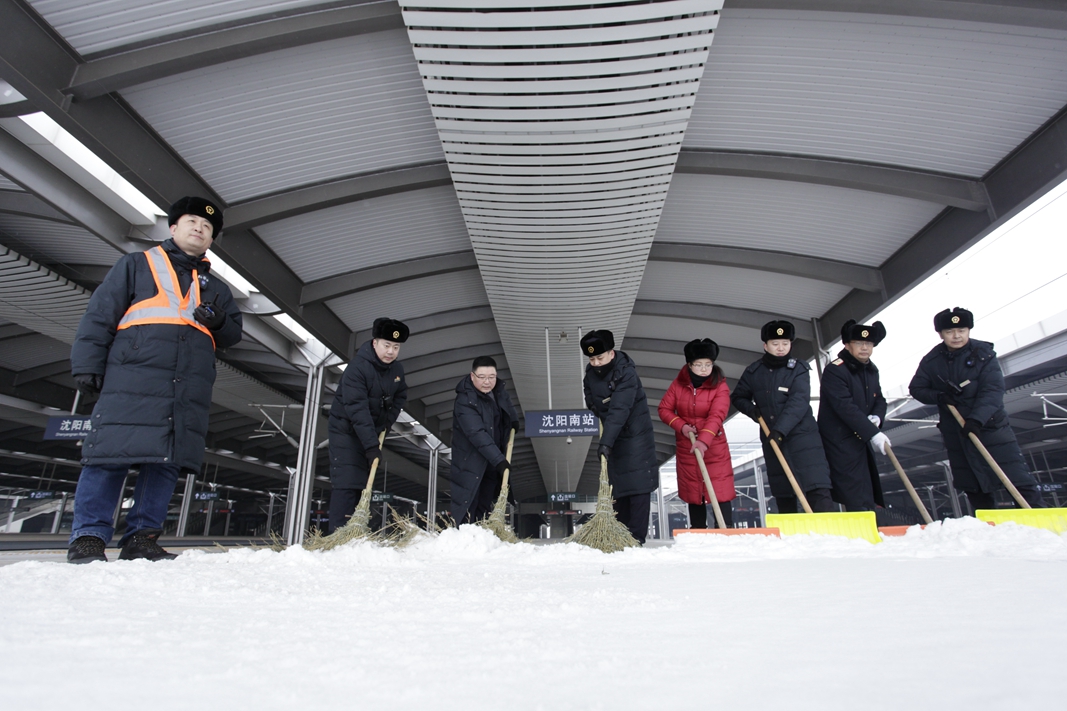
{"x":819,"y":500}
{"x":342,"y":506}
{"x":700,"y":517}
{"x":632,"y":512}
{"x":484,"y":498}
{"x":985,"y":500}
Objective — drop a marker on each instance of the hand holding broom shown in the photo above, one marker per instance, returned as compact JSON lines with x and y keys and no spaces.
{"x":785,"y":465}
{"x":497,"y":523}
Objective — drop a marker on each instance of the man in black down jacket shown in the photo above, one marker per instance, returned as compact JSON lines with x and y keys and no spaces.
{"x":154,"y":369}
{"x":369,"y":398}
{"x":851,"y":412}
{"x":614,"y":392}
{"x":482,"y":421}
{"x":779,"y":388}
{"x":964,"y":372}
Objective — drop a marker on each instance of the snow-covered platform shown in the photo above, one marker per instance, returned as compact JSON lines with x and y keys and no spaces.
{"x":956,"y":616}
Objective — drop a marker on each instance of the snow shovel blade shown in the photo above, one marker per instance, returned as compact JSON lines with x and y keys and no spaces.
{"x":1054,"y":520}
{"x":731,"y":531}
{"x":850,"y":524}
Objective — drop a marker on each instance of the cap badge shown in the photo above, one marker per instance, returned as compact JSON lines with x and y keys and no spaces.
{"x":955,"y":319}
{"x":396,"y":334}
{"x":864,"y":333}
{"x":781,"y":331}
{"x":591,"y":349}
{"x":209,"y":210}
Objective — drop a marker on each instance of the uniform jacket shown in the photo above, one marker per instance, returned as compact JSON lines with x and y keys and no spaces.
{"x":368,"y":400}
{"x":782,"y":395}
{"x":619,"y":401}
{"x":851,"y":391}
{"x":975,"y":369}
{"x":481,"y":426}
{"x":705,"y":408}
{"x":157,"y":377}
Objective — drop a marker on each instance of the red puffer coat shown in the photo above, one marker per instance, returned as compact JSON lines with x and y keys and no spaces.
{"x":705,"y":408}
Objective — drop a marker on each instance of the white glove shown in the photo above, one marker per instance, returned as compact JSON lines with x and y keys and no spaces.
{"x":875,"y":420}
{"x":879,"y":441}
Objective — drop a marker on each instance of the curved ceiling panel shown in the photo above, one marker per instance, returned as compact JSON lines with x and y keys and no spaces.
{"x":443,"y":292}
{"x":54,"y":242}
{"x":684,"y":330}
{"x":297,"y":116}
{"x":105,"y":24}
{"x":6,"y":184}
{"x":368,"y":233}
{"x":941,"y":95}
{"x":743,"y":288}
{"x":781,"y":216}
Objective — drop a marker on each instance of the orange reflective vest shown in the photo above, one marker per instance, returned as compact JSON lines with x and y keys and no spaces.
{"x":168,"y":305}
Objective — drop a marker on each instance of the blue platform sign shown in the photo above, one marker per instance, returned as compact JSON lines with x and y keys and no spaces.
{"x":68,"y":427}
{"x":561,"y":423}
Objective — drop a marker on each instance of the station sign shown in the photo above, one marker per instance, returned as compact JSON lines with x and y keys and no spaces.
{"x":68,"y":427}
{"x":561,"y":423}
{"x":380,"y":497}
{"x":1050,"y":487}
{"x":205,"y":495}
{"x":41,"y":495}
{"x":563,"y":496}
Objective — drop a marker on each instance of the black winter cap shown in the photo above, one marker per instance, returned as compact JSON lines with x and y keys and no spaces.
{"x":199,"y":207}
{"x":853,"y":331}
{"x":956,"y":318}
{"x":390,"y":330}
{"x":701,"y":348}
{"x":596,"y":342}
{"x":777,"y":329}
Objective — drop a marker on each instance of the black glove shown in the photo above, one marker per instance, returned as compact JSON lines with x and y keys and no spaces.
{"x":515,"y":426}
{"x":971,"y":427}
{"x":946,"y":399}
{"x":503,"y":467}
{"x":603,"y":451}
{"x":777,"y":436}
{"x":371,"y":455}
{"x":756,"y":414}
{"x":210,"y":315}
{"x":89,"y":384}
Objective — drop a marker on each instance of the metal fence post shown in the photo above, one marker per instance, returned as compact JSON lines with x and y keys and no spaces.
{"x":187,"y":495}
{"x":58,"y":521}
{"x":301,"y":483}
{"x":431,"y":489}
{"x":761,"y":495}
{"x":956,"y":512}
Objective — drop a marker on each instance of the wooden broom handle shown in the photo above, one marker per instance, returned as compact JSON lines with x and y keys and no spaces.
{"x":374,"y":464}
{"x":707,"y":482}
{"x":989,"y":460}
{"x":785,"y":465}
{"x":507,"y":472}
{"x":907,"y":484}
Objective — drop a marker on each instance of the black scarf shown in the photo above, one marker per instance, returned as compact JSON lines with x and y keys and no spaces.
{"x":697,"y":380}
{"x":603,"y":370}
{"x":773,"y":361}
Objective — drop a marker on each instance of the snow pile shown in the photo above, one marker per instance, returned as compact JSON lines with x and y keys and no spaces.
{"x":959,"y":615}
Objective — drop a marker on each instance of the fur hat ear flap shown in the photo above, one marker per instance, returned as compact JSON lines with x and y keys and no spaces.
{"x":877,"y":332}
{"x":846,"y":330}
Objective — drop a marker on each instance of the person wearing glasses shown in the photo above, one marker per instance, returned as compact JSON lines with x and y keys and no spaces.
{"x":777,"y":387}
{"x":697,"y":403}
{"x":483,"y":419}
{"x":369,"y":398}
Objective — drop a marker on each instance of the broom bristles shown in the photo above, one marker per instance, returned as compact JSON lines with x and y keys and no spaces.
{"x":604,"y":532}
{"x":497,"y":522}
{"x":358,"y":527}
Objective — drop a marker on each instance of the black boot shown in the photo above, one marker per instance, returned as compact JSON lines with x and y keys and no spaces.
{"x":86,"y":549}
{"x":143,"y":545}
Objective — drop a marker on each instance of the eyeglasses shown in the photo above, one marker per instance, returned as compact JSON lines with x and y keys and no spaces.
{"x":701,"y":366}
{"x":484,"y":378}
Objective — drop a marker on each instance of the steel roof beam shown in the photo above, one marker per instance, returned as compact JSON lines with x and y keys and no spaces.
{"x":168,"y":56}
{"x":1036,"y":166}
{"x":713,"y":313}
{"x":28,"y":205}
{"x":738,"y":356}
{"x":915,"y":184}
{"x":454,"y":355}
{"x":17,"y":108}
{"x":440,"y":320}
{"x":302,"y":200}
{"x":382,"y":275}
{"x":828,"y":270}
{"x":1048,"y":14}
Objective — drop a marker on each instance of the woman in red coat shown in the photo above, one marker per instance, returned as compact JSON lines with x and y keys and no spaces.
{"x":697,"y":401}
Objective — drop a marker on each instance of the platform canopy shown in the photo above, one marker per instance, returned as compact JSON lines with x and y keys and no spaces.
{"x":490,"y":171}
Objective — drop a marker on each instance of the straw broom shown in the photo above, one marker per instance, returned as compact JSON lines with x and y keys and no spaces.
{"x":358,"y":525}
{"x":496,"y":523}
{"x":604,"y":532}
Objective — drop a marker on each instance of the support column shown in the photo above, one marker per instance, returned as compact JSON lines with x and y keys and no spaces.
{"x":933,"y":504}
{"x":207,"y":517}
{"x":303,"y":479}
{"x":58,"y":521}
{"x":761,"y":495}
{"x":270,"y":515}
{"x":956,"y":513}
{"x":431,"y":489}
{"x":818,"y":346}
{"x":664,"y":525}
{"x":187,"y":495}
{"x":11,"y":514}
